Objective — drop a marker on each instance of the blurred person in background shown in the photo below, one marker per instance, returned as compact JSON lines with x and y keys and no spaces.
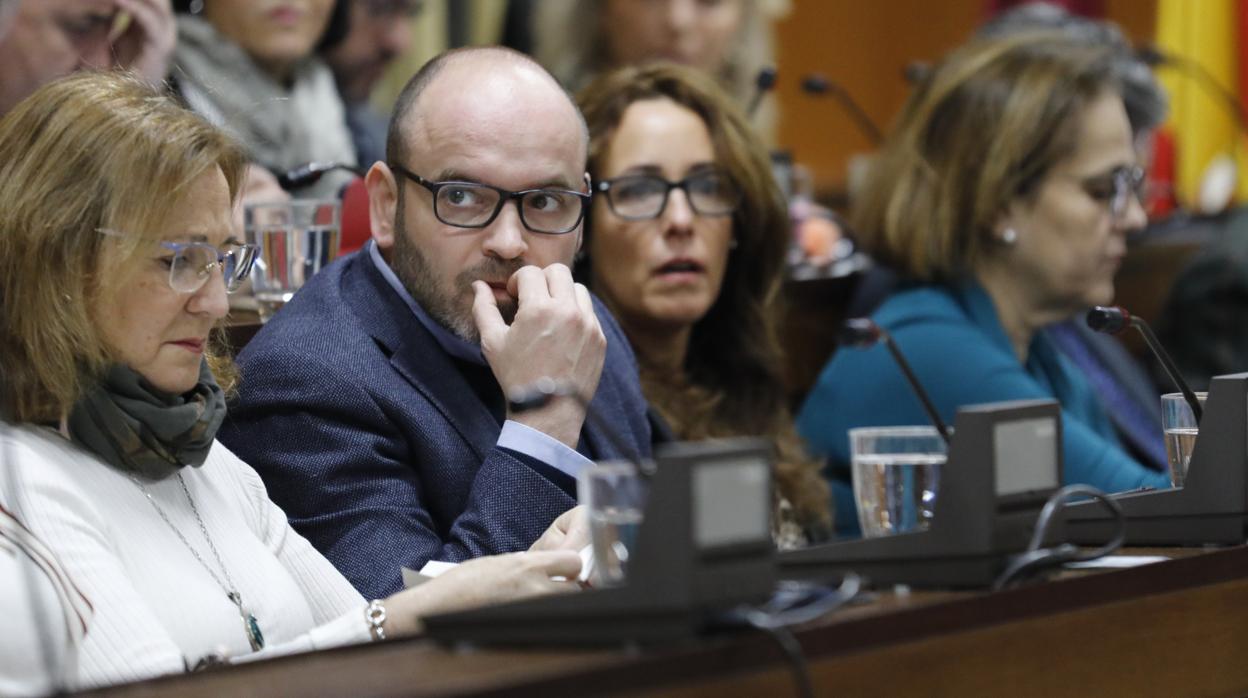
{"x":48,"y":39}
{"x":378,"y":31}
{"x":685,"y":243}
{"x":116,"y":255}
{"x":577,"y":40}
{"x":1003,"y":199}
{"x":250,"y":67}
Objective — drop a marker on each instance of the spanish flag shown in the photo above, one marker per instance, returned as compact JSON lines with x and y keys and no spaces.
{"x":1202,"y":122}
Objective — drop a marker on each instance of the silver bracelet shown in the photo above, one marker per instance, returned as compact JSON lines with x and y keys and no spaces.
{"x":375,"y":614}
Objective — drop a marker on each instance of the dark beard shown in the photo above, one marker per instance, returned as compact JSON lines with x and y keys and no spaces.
{"x":450,"y":308}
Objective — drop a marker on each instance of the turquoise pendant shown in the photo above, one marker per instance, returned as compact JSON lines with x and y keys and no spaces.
{"x":254,"y":636}
{"x":250,"y":625}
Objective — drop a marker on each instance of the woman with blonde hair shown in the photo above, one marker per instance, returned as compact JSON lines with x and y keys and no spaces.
{"x":116,"y":255}
{"x":1003,"y":200}
{"x":685,"y":243}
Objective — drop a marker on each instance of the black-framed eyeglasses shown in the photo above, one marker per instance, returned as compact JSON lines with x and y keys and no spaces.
{"x":1116,"y":188}
{"x":643,"y":196}
{"x":192,"y":263}
{"x":476,"y":205}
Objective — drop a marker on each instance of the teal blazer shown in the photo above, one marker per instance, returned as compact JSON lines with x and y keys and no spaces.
{"x":954,"y":340}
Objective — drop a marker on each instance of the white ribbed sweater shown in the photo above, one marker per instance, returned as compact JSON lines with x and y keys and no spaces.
{"x":156,"y":610}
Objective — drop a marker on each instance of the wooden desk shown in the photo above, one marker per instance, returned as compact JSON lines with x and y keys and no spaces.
{"x":1172,"y":629}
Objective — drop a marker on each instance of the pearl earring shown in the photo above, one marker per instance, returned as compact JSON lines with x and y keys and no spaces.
{"x":1009,"y":236}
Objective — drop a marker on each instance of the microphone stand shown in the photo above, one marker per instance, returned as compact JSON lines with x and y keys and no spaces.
{"x":863,"y":333}
{"x":1156,"y":58}
{"x":1116,"y":319}
{"x":763,"y":83}
{"x":819,"y":85}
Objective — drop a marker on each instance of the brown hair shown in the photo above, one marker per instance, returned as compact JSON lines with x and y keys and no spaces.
{"x":983,"y":129}
{"x":90,"y":151}
{"x":734,"y":360}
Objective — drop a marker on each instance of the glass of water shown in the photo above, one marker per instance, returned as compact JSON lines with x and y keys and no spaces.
{"x":896,"y":474}
{"x":295,"y":239}
{"x":1181,"y":430}
{"x":614,"y":495}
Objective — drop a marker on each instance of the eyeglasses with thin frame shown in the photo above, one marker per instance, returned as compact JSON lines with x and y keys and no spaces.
{"x":644,"y":196}
{"x":476,"y":205}
{"x":192,"y":263}
{"x":1116,"y":188}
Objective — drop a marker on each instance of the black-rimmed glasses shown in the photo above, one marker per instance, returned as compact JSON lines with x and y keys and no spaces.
{"x":476,"y":205}
{"x":1116,"y":189}
{"x":192,"y":263}
{"x":643,"y":196}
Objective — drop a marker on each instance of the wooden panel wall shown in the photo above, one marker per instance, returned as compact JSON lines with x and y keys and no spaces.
{"x":864,"y":46}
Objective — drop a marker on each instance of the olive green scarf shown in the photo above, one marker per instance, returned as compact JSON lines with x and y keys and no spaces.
{"x":138,"y":429}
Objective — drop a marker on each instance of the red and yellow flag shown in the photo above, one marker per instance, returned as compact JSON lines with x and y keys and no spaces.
{"x":1202,"y":123}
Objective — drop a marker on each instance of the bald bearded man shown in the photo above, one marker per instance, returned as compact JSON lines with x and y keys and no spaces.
{"x":373,"y":404}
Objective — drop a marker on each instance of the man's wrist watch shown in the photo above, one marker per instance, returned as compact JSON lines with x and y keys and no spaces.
{"x":375,"y":614}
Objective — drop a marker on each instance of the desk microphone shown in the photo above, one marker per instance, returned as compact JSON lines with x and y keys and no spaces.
{"x":311,"y":172}
{"x":916,"y":72}
{"x":819,"y":85}
{"x":764,"y":82}
{"x":864,"y":333}
{"x":1116,"y":319}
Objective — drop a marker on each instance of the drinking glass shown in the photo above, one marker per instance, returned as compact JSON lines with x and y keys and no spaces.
{"x":295,"y":239}
{"x":614,"y":495}
{"x":1179,"y":425}
{"x":896,"y":474}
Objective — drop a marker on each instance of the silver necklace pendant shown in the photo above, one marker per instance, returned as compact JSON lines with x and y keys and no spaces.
{"x":250,"y":624}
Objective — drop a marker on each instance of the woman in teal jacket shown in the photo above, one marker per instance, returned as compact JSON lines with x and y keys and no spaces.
{"x":1003,"y":199}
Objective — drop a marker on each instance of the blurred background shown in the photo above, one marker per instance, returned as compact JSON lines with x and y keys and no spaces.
{"x":865,"y":49}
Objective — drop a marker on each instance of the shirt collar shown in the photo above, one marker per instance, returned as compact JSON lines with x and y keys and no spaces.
{"x":450,"y":342}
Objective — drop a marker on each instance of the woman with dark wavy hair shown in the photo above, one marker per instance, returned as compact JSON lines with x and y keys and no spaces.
{"x":686,"y":244}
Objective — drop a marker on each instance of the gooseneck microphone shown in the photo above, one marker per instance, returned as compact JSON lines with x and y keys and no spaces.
{"x":1116,"y":319}
{"x":864,"y":333}
{"x":819,"y":85}
{"x":1154,"y":57}
{"x":309,"y":173}
{"x":764,"y":82}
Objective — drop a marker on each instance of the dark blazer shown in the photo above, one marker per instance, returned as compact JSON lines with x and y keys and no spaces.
{"x":374,"y":442}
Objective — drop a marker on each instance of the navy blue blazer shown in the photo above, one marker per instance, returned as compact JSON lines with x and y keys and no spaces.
{"x":374,"y":443}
